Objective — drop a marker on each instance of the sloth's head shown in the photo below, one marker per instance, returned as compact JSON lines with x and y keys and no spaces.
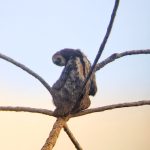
{"x":61,"y":57}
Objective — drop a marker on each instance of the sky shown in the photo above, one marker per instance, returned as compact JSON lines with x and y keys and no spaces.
{"x":31,"y":31}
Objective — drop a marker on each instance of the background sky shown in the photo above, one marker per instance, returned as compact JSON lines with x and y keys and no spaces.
{"x":31,"y":31}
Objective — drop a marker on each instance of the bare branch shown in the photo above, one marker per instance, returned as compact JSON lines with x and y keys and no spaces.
{"x":102,"y":46}
{"x":47,"y":86}
{"x":27,"y":109}
{"x":74,"y":141}
{"x":115,"y":56}
{"x":53,"y":136}
{"x":110,"y":107}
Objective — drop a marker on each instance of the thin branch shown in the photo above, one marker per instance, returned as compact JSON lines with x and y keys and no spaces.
{"x":71,"y":136}
{"x":110,"y":107}
{"x":102,"y":46}
{"x":115,"y":56}
{"x":27,"y":109}
{"x":53,"y":136}
{"x":28,"y":70}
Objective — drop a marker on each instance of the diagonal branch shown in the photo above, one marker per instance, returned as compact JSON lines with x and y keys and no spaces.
{"x":28,"y":70}
{"x":102,"y":46}
{"x":110,"y":107}
{"x":70,"y":135}
{"x":53,"y":136}
{"x":115,"y":56}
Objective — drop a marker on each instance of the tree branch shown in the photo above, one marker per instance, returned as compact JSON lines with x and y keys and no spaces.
{"x":110,"y":107}
{"x":27,"y":109}
{"x":71,"y":136}
{"x":102,"y":46}
{"x":28,"y":70}
{"x":115,"y":56}
{"x":51,"y":140}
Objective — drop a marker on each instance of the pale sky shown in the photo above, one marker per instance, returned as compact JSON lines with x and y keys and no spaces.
{"x":31,"y":31}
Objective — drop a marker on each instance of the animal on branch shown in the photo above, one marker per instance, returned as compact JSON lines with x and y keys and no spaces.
{"x":67,"y":90}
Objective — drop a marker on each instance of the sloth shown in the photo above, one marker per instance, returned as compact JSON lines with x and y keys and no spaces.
{"x":67,"y":90}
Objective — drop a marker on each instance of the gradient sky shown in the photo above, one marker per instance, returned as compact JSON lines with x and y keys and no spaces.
{"x":31,"y":31}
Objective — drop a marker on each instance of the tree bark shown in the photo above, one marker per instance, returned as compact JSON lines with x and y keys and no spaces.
{"x":53,"y":136}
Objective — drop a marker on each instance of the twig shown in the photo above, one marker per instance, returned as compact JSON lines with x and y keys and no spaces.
{"x":51,"y":140}
{"x":102,"y":46}
{"x":27,"y":109}
{"x":71,"y":136}
{"x":115,"y":56}
{"x":28,"y":70}
{"x":110,"y":107}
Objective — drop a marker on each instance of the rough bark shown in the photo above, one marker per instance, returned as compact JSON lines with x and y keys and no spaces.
{"x":53,"y":136}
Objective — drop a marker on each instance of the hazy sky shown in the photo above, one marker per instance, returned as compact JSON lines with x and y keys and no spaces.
{"x":31,"y":31}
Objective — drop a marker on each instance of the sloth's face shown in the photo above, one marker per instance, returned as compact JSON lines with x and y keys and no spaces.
{"x":58,"y":59}
{"x":61,"y":57}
